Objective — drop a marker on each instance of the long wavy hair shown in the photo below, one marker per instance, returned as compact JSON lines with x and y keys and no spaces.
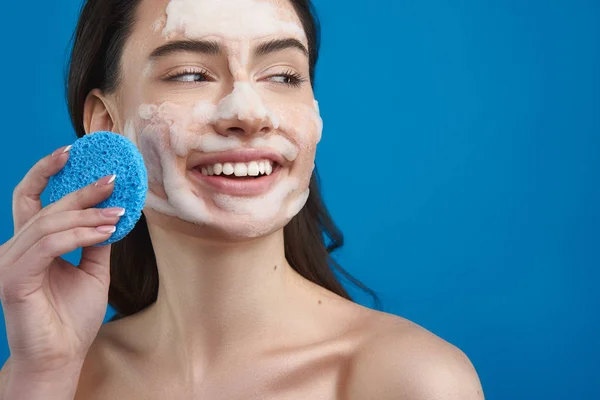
{"x":310,"y":237}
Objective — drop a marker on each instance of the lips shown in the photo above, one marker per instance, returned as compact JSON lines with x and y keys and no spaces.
{"x":234,"y":156}
{"x":235,"y":172}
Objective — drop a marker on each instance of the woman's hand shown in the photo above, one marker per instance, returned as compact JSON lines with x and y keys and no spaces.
{"x":53,"y":310}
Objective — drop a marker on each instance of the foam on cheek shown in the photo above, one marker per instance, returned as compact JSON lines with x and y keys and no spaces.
{"x":129,"y":131}
{"x":318,"y":120}
{"x":231,"y":18}
{"x":148,"y":147}
{"x":165,"y":168}
{"x":300,"y":121}
{"x":297,"y":204}
{"x":147,"y":111}
{"x":180,"y":120}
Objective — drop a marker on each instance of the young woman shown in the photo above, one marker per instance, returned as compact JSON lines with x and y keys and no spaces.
{"x":224,"y":290}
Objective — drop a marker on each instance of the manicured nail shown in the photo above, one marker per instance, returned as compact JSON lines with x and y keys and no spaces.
{"x":107,"y":180}
{"x":62,"y":150}
{"x":106,"y":229}
{"x":113,"y":212}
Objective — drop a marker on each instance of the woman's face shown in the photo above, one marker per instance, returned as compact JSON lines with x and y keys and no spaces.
{"x":217,"y":96}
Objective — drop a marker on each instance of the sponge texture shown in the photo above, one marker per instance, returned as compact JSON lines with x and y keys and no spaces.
{"x":100,"y":154}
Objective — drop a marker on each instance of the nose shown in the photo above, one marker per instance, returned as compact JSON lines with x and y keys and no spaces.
{"x":246,"y":127}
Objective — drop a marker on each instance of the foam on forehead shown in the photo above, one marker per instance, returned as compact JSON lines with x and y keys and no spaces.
{"x":228,"y":18}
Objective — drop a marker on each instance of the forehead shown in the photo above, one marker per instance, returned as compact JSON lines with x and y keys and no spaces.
{"x":164,"y":20}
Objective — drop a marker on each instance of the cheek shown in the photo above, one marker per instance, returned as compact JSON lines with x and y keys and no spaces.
{"x":151,"y":140}
{"x":304,"y":126}
{"x":300,"y":121}
{"x":181,"y":125}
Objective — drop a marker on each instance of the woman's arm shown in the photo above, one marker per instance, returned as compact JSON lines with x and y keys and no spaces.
{"x":59,"y":385}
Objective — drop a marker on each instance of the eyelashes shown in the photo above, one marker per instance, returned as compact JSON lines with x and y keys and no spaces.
{"x":187,"y":76}
{"x":183,"y":76}
{"x":290,"y":78}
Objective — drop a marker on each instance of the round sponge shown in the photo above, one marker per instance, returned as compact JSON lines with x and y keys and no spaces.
{"x":100,"y":154}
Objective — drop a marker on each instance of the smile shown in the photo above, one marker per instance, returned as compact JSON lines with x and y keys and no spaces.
{"x":253,"y":168}
{"x":239,"y":173}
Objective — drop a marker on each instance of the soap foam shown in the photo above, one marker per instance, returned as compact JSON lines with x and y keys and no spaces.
{"x":174,"y":130}
{"x":242,"y":103}
{"x":300,"y":121}
{"x":232,"y":18}
{"x":297,"y":204}
{"x":278,"y":143}
{"x":147,"y":111}
{"x":213,"y":142}
{"x":129,"y":131}
{"x":180,"y":194}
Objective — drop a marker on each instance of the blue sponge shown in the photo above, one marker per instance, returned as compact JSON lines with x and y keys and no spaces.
{"x":100,"y":154}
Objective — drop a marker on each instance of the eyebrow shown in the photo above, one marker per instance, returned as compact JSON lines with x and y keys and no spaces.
{"x":214,"y":49}
{"x":195,"y":46}
{"x":279,"y":45}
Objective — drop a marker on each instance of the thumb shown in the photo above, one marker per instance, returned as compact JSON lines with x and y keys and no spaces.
{"x":95,"y":260}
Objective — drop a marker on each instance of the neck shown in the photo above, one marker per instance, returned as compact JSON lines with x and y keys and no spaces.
{"x":215,"y":296}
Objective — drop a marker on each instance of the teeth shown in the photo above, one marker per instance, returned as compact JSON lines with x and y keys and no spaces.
{"x":241,"y":169}
{"x":253,"y":168}
{"x":228,"y":168}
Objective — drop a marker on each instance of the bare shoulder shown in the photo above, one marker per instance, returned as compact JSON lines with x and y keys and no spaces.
{"x":401,"y":360}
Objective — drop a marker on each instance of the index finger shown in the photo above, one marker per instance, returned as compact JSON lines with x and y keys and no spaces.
{"x":26,"y":196}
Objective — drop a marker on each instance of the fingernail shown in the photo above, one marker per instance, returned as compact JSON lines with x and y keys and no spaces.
{"x":62,"y":150}
{"x":113,"y":212}
{"x":107,"y":180}
{"x":106,"y":229}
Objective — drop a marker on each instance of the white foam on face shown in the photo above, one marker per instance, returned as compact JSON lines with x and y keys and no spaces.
{"x":147,"y":111}
{"x":151,"y":159}
{"x":318,"y":121}
{"x":213,"y":142}
{"x":148,"y":69}
{"x":301,"y":121}
{"x":297,"y":204}
{"x":159,"y":24}
{"x":203,"y":112}
{"x":260,"y":208}
{"x":181,"y":200}
{"x":277,"y":143}
{"x":129,"y":131}
{"x":176,"y":130}
{"x":229,"y":18}
{"x":243,"y":103}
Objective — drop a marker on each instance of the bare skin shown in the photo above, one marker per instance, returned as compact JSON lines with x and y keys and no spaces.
{"x":356,"y":353}
{"x":233,"y":320}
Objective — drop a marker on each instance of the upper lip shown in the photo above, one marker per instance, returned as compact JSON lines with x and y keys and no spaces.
{"x":234,"y":156}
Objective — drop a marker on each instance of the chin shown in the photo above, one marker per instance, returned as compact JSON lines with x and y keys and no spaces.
{"x":224,"y":226}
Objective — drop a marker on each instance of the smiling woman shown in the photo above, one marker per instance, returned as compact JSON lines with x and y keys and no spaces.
{"x":225,"y":288}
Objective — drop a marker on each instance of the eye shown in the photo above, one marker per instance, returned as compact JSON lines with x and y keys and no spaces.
{"x":189,"y":76}
{"x":289,"y":78}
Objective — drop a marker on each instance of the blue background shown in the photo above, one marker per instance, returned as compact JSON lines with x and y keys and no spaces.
{"x":460,"y":157}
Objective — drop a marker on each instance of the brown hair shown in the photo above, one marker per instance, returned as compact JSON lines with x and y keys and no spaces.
{"x":310,"y":237}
